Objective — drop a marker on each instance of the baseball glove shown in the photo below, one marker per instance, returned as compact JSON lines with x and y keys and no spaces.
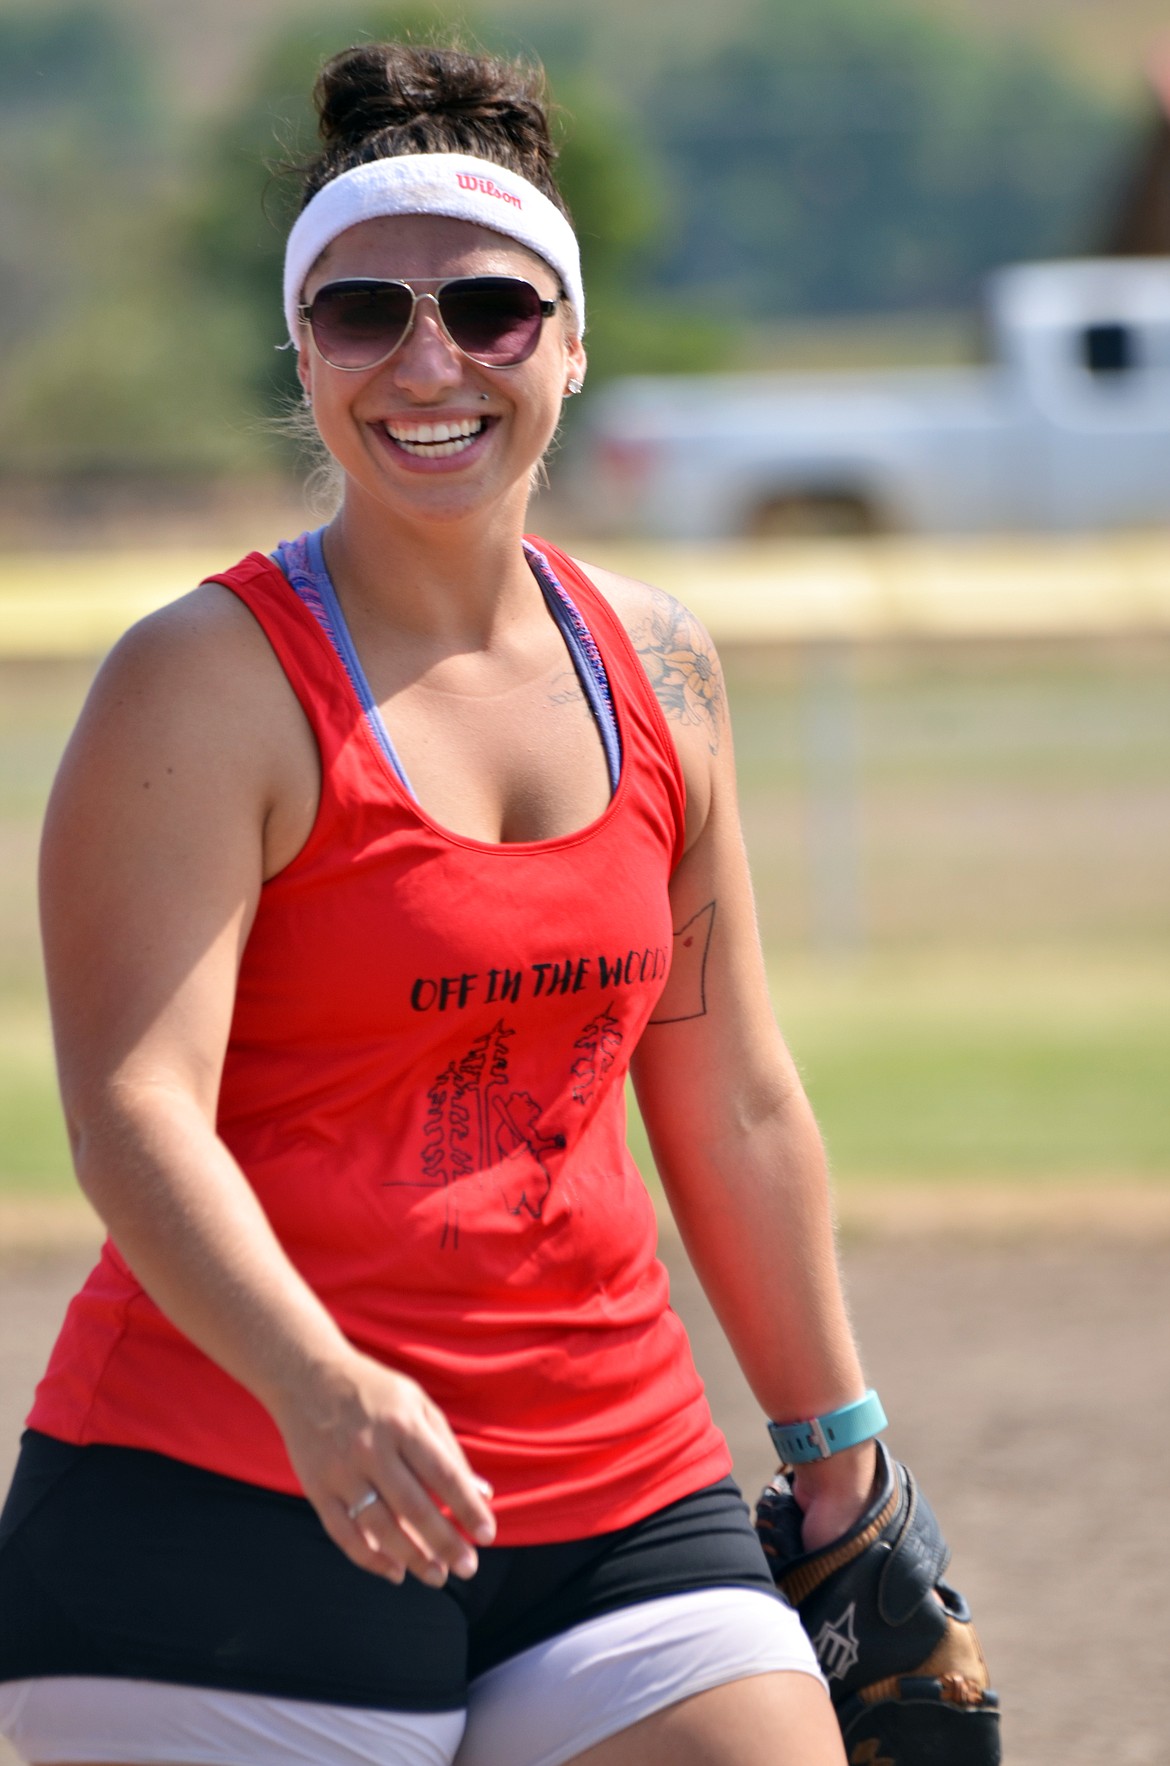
{"x":895,"y":1642}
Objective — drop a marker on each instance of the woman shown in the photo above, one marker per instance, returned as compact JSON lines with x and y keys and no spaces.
{"x":371,"y":868}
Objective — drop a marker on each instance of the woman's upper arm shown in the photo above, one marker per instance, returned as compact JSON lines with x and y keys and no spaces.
{"x":152,"y":856}
{"x":711,"y":1057}
{"x":712,"y":1050}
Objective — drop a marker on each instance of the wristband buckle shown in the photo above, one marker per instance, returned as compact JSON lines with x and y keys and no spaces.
{"x":817,"y":1436}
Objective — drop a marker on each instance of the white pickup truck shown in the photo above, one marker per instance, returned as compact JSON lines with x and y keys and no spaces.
{"x":1068,"y":427}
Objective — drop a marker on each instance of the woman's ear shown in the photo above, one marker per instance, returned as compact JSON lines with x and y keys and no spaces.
{"x":575,"y":364}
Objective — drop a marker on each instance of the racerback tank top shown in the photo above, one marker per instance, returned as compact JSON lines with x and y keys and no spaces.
{"x":424,"y":1084}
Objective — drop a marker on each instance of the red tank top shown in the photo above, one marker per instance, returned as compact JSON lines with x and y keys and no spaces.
{"x":424,"y":1085}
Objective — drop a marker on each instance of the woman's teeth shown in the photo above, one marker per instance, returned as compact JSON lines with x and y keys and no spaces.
{"x":435,"y":440}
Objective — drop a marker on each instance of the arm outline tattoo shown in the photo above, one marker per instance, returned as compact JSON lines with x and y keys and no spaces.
{"x":692,"y":943}
{"x":680,"y":660}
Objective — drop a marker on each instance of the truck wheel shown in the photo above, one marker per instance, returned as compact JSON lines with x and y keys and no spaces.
{"x":810,"y":514}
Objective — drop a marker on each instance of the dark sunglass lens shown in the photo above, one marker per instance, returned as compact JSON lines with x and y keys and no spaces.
{"x":495,"y":319}
{"x":354,"y":327}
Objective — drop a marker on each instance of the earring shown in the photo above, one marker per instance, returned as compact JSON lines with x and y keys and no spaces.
{"x":574,"y":386}
{"x":305,"y":399}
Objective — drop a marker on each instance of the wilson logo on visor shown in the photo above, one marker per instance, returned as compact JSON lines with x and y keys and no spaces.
{"x":486,"y":187}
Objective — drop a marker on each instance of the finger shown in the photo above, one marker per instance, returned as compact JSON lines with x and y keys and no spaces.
{"x":439,"y":1464}
{"x":393,"y":1540}
{"x":396,"y":1522}
{"x":351,"y":1538}
{"x":408,"y":1518}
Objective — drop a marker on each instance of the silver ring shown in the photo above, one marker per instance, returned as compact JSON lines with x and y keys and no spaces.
{"x":362,"y":1504}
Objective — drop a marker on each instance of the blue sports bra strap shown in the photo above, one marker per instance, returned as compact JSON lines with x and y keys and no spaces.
{"x":303,"y":562}
{"x":582,"y":647}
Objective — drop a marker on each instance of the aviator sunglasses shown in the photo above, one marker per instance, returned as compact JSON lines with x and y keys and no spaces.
{"x":358,"y":323}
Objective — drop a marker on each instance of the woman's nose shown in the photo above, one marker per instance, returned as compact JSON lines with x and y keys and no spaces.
{"x":426,"y":357}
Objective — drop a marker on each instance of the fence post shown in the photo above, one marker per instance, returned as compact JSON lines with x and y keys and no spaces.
{"x":832,"y":795}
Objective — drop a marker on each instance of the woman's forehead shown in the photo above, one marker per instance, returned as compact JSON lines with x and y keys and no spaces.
{"x":414,"y":246}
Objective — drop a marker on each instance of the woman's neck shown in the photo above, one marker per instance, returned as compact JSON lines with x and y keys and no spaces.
{"x":448,"y":581}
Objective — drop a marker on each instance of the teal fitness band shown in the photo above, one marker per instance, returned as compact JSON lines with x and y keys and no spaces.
{"x":798,"y":1444}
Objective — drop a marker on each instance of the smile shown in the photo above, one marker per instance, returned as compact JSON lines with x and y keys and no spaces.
{"x":434,"y":441}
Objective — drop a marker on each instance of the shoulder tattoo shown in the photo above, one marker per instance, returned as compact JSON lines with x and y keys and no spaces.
{"x":680,"y":660}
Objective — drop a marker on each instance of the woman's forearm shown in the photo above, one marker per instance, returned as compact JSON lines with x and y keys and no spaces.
{"x":750,"y":1194}
{"x":752,"y":1204}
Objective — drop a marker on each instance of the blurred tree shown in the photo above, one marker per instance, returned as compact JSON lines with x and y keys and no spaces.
{"x":77,"y":122}
{"x":100,"y":362}
{"x":79,"y":59}
{"x":833,"y":156}
{"x":615,"y":190}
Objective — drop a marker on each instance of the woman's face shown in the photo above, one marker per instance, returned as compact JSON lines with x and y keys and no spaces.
{"x":371,"y":420}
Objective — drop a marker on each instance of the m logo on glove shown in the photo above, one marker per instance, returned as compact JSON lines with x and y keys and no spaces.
{"x":836,"y":1644}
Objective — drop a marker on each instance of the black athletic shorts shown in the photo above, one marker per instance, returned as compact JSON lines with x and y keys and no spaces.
{"x":115,"y":1561}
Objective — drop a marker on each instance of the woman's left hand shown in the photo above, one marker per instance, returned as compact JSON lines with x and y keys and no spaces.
{"x":834,"y":1494}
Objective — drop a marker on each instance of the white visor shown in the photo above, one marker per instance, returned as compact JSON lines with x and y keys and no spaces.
{"x":452,"y":184}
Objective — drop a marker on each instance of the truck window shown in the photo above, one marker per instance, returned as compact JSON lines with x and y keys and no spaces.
{"x":1109,"y":348}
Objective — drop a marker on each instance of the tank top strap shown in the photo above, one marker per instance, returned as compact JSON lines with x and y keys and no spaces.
{"x":635,"y":699}
{"x":306,"y":656}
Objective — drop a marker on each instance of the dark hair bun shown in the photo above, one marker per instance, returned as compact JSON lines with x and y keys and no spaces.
{"x":378,"y":100}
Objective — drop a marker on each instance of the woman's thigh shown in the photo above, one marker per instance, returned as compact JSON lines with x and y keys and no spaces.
{"x":153,"y":1614}
{"x":782,"y":1719}
{"x":649,"y":1667}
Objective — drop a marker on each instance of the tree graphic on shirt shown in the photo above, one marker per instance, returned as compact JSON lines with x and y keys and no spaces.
{"x":599,"y":1043}
{"x":475,"y":1123}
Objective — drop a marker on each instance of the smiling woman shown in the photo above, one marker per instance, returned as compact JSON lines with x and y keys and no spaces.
{"x":372,"y":869}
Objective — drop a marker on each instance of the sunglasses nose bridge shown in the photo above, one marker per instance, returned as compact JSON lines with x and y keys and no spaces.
{"x":440,"y":321}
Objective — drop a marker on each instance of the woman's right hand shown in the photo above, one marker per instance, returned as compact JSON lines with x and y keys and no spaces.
{"x":363,"y":1428}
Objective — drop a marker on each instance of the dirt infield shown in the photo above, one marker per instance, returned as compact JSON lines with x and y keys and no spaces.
{"x":1027,"y":1381}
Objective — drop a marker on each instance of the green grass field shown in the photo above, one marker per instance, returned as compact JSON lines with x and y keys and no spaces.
{"x":992,"y":1002}
{"x":1044,"y":1064}
{"x":1036,"y":1067}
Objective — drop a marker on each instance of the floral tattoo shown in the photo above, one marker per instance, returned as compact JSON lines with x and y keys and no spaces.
{"x":680,"y":660}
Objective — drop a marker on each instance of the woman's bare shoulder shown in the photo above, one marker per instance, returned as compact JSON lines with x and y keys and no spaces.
{"x":676,"y":650}
{"x":197,"y":682}
{"x":200,"y":656}
{"x":207,"y":624}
